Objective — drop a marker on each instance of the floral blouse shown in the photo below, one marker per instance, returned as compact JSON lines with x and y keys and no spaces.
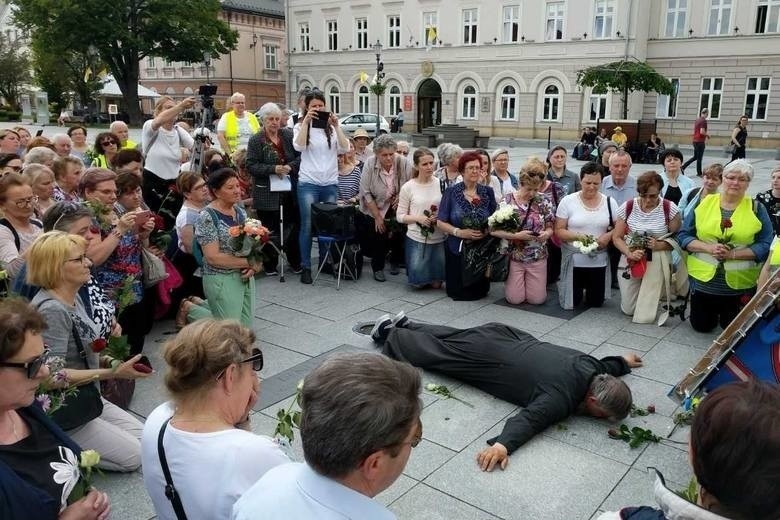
{"x":540,"y":215}
{"x":206,"y":232}
{"x":772,"y":205}
{"x":458,"y":211}
{"x":124,"y":261}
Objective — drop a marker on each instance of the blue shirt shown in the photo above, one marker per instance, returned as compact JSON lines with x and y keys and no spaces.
{"x":619,"y":194}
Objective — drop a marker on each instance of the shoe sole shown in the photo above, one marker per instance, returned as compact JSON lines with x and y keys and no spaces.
{"x":382,"y":320}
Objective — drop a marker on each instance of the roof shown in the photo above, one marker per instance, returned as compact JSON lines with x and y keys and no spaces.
{"x":111,"y":89}
{"x":270,"y":7}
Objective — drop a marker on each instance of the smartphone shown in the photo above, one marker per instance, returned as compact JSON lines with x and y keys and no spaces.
{"x":39,"y":133}
{"x":535,"y":233}
{"x":142,"y":218}
{"x":322,"y":119}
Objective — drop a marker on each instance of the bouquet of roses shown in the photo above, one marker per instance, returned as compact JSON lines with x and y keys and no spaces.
{"x":636,"y":242}
{"x":587,"y":245}
{"x":505,"y":218}
{"x":473,"y":220}
{"x":249,"y":239}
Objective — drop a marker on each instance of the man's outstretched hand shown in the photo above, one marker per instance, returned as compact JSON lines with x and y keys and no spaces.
{"x":633,"y":360}
{"x":492,"y":455}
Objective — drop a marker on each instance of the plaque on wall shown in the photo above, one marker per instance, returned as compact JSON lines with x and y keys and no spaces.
{"x":426,"y":68}
{"x":484,"y":105}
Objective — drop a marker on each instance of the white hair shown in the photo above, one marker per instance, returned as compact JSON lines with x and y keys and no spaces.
{"x":116,"y":124}
{"x":40,"y":155}
{"x":61,"y":137}
{"x":269,"y":109}
{"x":740,"y":166}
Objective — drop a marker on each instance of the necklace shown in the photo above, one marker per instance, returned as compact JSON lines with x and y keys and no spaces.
{"x":13,"y":429}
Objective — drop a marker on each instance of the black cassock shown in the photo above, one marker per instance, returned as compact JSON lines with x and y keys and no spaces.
{"x":548,"y":380}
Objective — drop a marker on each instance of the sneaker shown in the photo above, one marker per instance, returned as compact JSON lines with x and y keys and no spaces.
{"x":306,"y":276}
{"x":395,"y":269}
{"x":381,"y":328}
{"x":379,"y":276}
{"x":400,"y":320}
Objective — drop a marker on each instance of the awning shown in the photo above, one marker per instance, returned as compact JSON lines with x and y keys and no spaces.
{"x":111,"y":89}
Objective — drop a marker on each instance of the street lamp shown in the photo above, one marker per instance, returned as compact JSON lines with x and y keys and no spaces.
{"x":378,"y":87}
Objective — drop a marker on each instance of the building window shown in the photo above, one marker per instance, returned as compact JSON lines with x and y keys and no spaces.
{"x":151,"y":62}
{"x":508,"y":103}
{"x":555,"y":15}
{"x":720,"y":17}
{"x":551,"y":101}
{"x":332,"y":28}
{"x":603,"y":21}
{"x":334,"y":99}
{"x":361,"y":31}
{"x":469,"y":103}
{"x":511,"y":25}
{"x":666,"y":106}
{"x":394,"y":31}
{"x":394,"y":99}
{"x":303,"y":33}
{"x":364,"y":100}
{"x":676,"y":11}
{"x":597,"y":107}
{"x":757,"y":98}
{"x":470,"y":26}
{"x":768,"y":16}
{"x":430,"y":28}
{"x":711,"y":94}
{"x":270,"y":57}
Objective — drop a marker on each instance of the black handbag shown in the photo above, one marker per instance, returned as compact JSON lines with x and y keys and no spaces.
{"x":85,"y":404}
{"x":479,"y":258}
{"x":331,"y":219}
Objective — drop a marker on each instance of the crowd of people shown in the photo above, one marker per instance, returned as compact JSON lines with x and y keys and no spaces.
{"x":103,"y":240}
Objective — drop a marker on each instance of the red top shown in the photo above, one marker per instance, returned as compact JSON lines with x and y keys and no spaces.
{"x":699,"y":125}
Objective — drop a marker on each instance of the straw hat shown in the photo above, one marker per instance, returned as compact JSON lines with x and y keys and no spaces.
{"x":618,"y":129}
{"x":361,"y":132}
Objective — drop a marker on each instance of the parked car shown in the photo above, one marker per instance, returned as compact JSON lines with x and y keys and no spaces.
{"x":351,"y":122}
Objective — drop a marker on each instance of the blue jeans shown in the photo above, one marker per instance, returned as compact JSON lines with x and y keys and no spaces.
{"x":308,"y":194}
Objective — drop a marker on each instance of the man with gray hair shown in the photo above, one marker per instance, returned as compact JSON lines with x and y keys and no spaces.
{"x":550,"y":382}
{"x":62,"y":144}
{"x":119,"y":129}
{"x":41,"y":155}
{"x":621,"y":187}
{"x":360,"y":419}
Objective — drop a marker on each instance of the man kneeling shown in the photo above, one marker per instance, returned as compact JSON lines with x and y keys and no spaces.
{"x":551,"y":382}
{"x":360,"y":420}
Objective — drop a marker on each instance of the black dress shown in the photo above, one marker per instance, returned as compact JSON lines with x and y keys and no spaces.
{"x":739,"y":151}
{"x":550,"y":381}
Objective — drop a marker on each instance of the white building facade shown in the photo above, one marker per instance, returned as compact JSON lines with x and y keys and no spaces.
{"x":509,"y":68}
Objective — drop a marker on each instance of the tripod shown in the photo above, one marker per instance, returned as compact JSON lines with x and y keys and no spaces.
{"x":206,"y":118}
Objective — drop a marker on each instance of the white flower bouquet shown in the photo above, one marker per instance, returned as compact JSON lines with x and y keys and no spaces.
{"x":587,"y":245}
{"x":505,"y":218}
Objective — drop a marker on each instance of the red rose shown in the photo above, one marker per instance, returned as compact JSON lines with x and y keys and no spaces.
{"x":651,"y":408}
{"x":174,"y":189}
{"x":434,"y":208}
{"x":726,"y":224}
{"x":159,"y":222}
{"x":614,"y":434}
{"x":99,"y":345}
{"x":475,"y":200}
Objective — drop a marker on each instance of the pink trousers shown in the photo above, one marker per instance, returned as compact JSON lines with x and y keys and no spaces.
{"x":527,"y":282}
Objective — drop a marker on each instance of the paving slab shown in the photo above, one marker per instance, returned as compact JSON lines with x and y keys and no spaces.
{"x":129,"y":499}
{"x":594,"y":326}
{"x":635,"y":489}
{"x":293,"y":338}
{"x":534,"y":323}
{"x":623,"y":338}
{"x":427,"y":458}
{"x":278,"y":359}
{"x":447,"y":507}
{"x":668,"y":362}
{"x":401,"y":486}
{"x":671,"y":461}
{"x":585,"y":348}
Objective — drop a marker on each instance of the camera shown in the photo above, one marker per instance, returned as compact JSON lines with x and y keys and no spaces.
{"x":206,"y":93}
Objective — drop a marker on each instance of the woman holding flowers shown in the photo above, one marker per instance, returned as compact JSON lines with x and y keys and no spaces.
{"x":228,"y":279}
{"x":532,"y":220}
{"x":728,"y":236}
{"x":57,"y":262}
{"x":418,"y":205}
{"x":584,"y":222}
{"x":30,"y":443}
{"x":463,"y":214}
{"x":646,"y":268}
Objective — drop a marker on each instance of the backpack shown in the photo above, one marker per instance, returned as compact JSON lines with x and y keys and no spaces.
{"x":197,"y":250}
{"x":6,"y":223}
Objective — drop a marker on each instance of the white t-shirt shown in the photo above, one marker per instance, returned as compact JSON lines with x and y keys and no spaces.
{"x":163,"y":157}
{"x":244,"y":129}
{"x":587,"y":221}
{"x":210,"y":470}
{"x":413,"y":199}
{"x":319,"y":164}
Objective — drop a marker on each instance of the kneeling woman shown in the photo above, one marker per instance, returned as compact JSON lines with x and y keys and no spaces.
{"x":527,"y":281}
{"x":651,"y":218}
{"x":424,"y":242}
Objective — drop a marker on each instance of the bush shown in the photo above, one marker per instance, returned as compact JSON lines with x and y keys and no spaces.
{"x":14,"y":116}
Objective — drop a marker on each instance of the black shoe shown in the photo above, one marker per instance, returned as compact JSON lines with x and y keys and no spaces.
{"x":296,"y":269}
{"x":394,"y":269}
{"x":306,"y":276}
{"x":381,"y":328}
{"x":379,"y":276}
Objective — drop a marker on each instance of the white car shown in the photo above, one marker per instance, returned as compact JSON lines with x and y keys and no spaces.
{"x":351,"y":122}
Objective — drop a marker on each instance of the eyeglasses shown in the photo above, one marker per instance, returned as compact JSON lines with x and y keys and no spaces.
{"x":15,"y":169}
{"x":256,"y":358}
{"x":649,"y":195}
{"x":416,"y":438}
{"x":31,"y":367}
{"x":403,"y":153}
{"x":29,"y":201}
{"x":107,"y":142}
{"x":79,"y":259}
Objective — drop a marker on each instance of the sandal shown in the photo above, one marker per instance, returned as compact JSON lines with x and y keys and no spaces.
{"x":181,"y":315}
{"x":196,"y":300}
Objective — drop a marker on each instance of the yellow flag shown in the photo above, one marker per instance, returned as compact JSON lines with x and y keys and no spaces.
{"x":103,"y":73}
{"x":363,"y":76}
{"x":431,"y":34}
{"x":87,"y":74}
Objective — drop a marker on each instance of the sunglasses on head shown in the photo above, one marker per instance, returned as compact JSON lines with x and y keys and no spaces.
{"x":31,"y":368}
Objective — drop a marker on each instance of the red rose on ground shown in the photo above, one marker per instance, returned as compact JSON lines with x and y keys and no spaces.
{"x":613,"y":433}
{"x":651,"y":408}
{"x":99,"y":345}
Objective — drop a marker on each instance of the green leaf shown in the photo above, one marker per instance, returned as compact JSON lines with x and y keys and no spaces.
{"x":296,"y":418}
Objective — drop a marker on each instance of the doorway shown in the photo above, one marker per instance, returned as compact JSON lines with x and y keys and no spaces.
{"x":428,"y":104}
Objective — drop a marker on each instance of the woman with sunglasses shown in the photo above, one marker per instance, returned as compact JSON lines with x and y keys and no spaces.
{"x":18,"y":228}
{"x":106,"y":147}
{"x":213,"y":382}
{"x":58,"y":264}
{"x":30,"y":443}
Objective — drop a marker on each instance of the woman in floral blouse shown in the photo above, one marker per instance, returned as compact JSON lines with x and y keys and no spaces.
{"x":771,"y":200}
{"x":527,"y":281}
{"x":463,"y":213}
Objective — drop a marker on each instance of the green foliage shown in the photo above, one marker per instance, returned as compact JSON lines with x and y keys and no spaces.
{"x":635,"y":436}
{"x":125,"y":31}
{"x":377,"y":89}
{"x":623,"y":77}
{"x":287,"y":419}
{"x":691,"y":492}
{"x":15,"y":67}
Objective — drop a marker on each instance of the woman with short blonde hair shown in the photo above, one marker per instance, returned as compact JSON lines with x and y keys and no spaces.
{"x":41,"y":178}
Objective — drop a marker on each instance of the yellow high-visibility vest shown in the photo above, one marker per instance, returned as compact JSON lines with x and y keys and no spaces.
{"x":129,"y":145}
{"x":745,"y":225}
{"x":775,"y":258}
{"x":231,"y":128}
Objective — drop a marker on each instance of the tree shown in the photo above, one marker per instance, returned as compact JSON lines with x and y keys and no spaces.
{"x":15,"y":67}
{"x":126,"y":31}
{"x":624,"y":77}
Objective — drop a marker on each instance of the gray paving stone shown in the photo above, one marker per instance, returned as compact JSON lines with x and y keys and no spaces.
{"x":285,"y":315}
{"x":647,"y":391}
{"x":668,"y":362}
{"x":651,"y":329}
{"x":149,"y":392}
{"x":545,"y":479}
{"x":447,"y":311}
{"x":593,"y":326}
{"x":426,"y":458}
{"x":396,"y":305}
{"x":424,"y":296}
{"x":277,"y":359}
{"x":671,"y":461}
{"x":127,"y":493}
{"x":335,"y":305}
{"x":685,"y":335}
{"x":455,"y":425}
{"x":568,"y":342}
{"x":531,"y":322}
{"x":259,"y":324}
{"x":635,"y":489}
{"x":633,"y":341}
{"x":401,"y":486}
{"x":421,"y":497}
{"x":293,"y":338}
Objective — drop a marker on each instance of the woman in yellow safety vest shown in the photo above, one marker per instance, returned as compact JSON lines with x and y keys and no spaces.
{"x":728,"y":236}
{"x":106,"y":147}
{"x":772,"y":264}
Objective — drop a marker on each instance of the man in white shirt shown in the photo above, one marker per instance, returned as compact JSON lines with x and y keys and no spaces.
{"x":236,"y":126}
{"x":361,"y":419}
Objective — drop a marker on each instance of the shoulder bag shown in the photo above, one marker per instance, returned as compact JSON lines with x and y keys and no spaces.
{"x":170,"y":490}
